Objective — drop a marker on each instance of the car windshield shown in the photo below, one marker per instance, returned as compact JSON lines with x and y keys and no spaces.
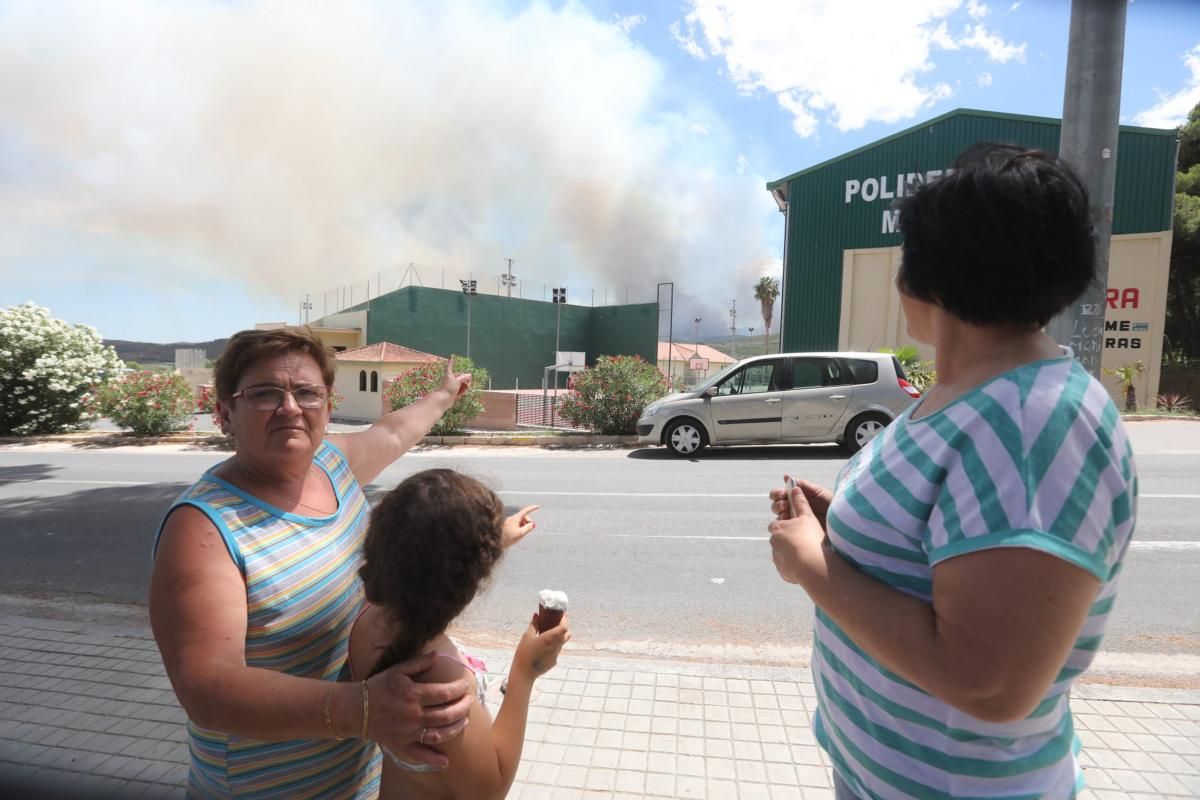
{"x":700,"y":387}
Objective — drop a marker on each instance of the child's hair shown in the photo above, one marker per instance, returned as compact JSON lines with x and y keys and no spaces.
{"x":431,"y":542}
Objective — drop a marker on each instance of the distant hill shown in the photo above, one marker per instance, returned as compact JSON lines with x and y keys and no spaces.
{"x":752,"y":345}
{"x":149,"y":352}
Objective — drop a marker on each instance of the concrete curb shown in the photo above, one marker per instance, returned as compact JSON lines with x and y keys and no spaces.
{"x":221,"y":442}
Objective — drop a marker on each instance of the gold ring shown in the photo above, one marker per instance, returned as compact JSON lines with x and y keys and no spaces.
{"x":421,"y":738}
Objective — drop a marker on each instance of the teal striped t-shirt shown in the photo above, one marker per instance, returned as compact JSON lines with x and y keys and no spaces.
{"x":1036,"y":457}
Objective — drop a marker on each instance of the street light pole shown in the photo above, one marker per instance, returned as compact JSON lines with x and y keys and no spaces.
{"x":1088,"y":142}
{"x":469,"y":289}
{"x":507,"y":279}
{"x":733,"y":328}
{"x":697,"y":347}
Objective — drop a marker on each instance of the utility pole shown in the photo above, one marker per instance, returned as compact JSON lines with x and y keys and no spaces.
{"x":1088,"y":142}
{"x":733,"y":328}
{"x":507,"y":279}
{"x":306,"y":306}
{"x":670,"y":326}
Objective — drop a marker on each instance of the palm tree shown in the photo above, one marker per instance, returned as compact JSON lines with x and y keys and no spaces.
{"x":765,"y":292}
{"x":1126,"y":374}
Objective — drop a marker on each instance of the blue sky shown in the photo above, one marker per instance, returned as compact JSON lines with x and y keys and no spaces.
{"x":176,"y":171}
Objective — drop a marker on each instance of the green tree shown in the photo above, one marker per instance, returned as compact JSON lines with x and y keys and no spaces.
{"x":765,"y":292}
{"x":609,"y":397}
{"x":1183,"y":285}
{"x":420,"y":381}
{"x":47,"y":369}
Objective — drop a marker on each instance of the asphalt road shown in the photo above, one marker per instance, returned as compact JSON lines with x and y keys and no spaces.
{"x":660,"y":556}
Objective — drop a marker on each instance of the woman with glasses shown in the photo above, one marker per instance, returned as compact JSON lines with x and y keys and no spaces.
{"x":255,"y":589}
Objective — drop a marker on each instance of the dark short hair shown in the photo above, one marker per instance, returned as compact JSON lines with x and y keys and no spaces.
{"x":247,"y":348}
{"x":1005,"y":238}
{"x":431,"y":543}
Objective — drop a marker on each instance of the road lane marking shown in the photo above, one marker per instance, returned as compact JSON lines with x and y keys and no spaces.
{"x":95,"y":483}
{"x":538,"y":493}
{"x":1164,"y":545}
{"x":762,"y":494}
{"x":1135,"y":545}
{"x":747,"y":494}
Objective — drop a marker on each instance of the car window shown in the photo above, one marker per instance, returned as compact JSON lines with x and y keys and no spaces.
{"x":808,"y":373}
{"x":836,"y":375}
{"x":718,"y":378}
{"x":761,"y":376}
{"x":862,"y":370}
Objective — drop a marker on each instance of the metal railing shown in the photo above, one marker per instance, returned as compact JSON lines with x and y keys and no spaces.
{"x":537,"y":409}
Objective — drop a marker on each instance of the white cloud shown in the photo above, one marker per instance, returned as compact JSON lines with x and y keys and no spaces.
{"x":742,"y":163}
{"x":687,"y":41}
{"x":1014,"y":6}
{"x":296,"y":150}
{"x":630,"y":22}
{"x":977,"y":10}
{"x":1172,"y":109}
{"x":993,"y":45}
{"x":942,"y":38}
{"x":699,"y":128}
{"x":984,"y":79}
{"x":848,"y":64}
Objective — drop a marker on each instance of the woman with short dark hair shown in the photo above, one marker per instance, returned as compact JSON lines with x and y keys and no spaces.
{"x":966,"y":562}
{"x":255,"y":589}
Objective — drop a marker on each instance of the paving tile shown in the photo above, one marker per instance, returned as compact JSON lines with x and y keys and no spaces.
{"x":636,"y":760}
{"x":601,"y":779}
{"x":1166,"y":784}
{"x":604,"y":757}
{"x":754,"y":791}
{"x":660,"y":783}
{"x":724,"y":769}
{"x":751,"y":771}
{"x":102,"y":706}
{"x":690,"y":786}
{"x":1128,"y":780}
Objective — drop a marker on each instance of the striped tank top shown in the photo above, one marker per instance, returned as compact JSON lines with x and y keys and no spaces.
{"x":303,"y":594}
{"x":1035,"y":458}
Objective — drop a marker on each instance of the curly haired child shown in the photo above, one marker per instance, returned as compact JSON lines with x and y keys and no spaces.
{"x":431,"y":544}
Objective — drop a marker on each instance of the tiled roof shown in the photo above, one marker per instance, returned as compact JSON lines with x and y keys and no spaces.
{"x":386,"y":352}
{"x":684,"y":351}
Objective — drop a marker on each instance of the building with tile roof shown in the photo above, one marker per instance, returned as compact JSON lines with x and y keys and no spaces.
{"x":363,"y":372}
{"x":676,"y":361}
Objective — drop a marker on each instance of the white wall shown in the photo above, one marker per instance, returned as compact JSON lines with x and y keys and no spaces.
{"x":367,"y":406}
{"x":1138,"y":267}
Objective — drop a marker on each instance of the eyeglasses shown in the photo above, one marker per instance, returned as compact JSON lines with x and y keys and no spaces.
{"x":270,"y":398}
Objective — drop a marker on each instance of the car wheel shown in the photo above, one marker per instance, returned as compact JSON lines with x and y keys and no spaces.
{"x":863,"y":428}
{"x":685,"y":437}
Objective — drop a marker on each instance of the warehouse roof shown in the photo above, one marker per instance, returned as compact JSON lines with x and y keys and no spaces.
{"x":778,"y":187}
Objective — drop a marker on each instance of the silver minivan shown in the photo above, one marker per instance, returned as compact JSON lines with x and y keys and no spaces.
{"x":783,"y":398}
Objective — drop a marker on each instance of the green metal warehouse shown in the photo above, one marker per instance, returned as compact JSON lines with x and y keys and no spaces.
{"x":513,"y":338}
{"x":841,"y":248}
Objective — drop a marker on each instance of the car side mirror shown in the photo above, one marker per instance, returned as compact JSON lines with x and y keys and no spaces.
{"x":710,"y":391}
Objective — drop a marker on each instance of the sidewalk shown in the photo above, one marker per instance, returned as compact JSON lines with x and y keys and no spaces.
{"x":86,"y":711}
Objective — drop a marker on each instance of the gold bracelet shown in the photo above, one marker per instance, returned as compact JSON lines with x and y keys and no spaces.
{"x":366,"y":709}
{"x":329,"y":719}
